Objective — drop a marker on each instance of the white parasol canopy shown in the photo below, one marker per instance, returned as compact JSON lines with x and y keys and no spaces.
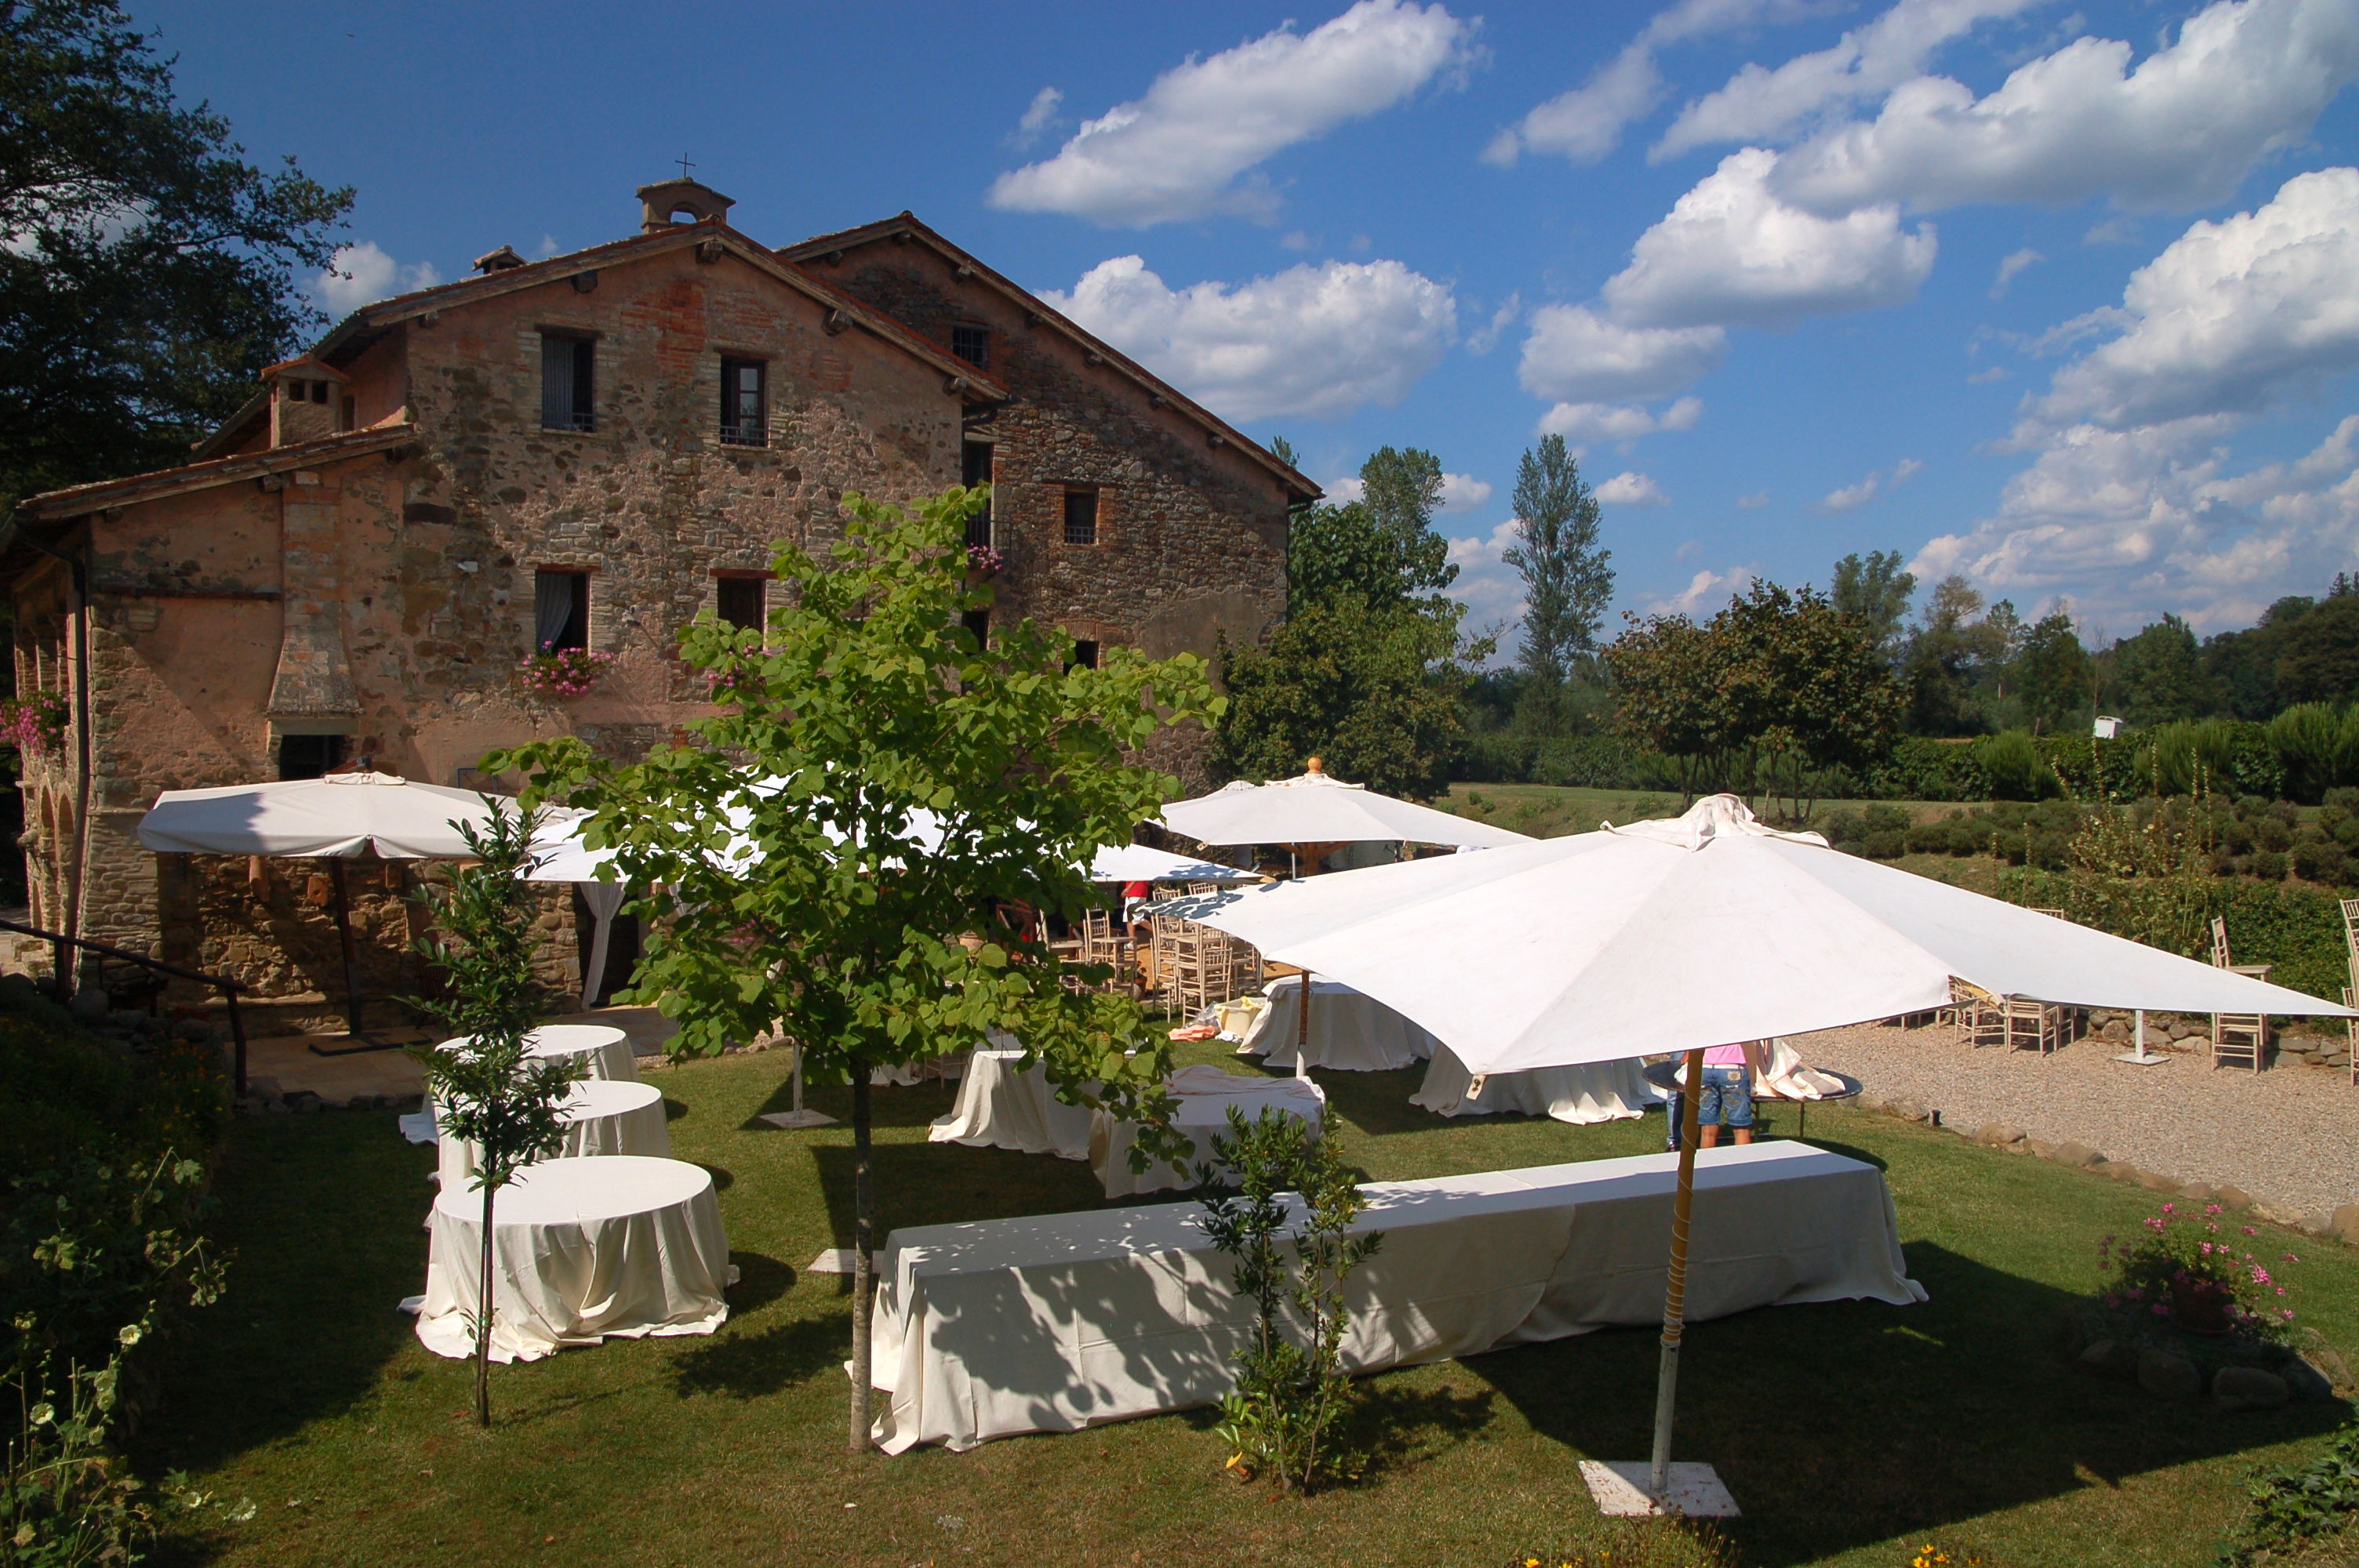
{"x":1140,"y":863}
{"x":1704,"y":931}
{"x":337,"y":817}
{"x":1317,"y":809}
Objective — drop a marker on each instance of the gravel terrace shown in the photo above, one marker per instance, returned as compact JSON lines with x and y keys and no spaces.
{"x":2288,"y":1136}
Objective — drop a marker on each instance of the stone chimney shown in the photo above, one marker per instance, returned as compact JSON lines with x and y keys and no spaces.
{"x":662,"y":204}
{"x":307,"y":400}
{"x":500,"y":260}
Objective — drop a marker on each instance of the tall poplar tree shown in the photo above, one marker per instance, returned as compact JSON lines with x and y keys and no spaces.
{"x":1567,"y":582}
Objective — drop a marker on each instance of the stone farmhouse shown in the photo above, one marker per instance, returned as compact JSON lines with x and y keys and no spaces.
{"x":581,"y":452}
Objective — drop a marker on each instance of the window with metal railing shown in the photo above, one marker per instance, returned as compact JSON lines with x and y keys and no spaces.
{"x":744,"y":413}
{"x":971,"y":344}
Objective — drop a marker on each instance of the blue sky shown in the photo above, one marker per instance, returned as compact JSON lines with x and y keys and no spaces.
{"x":2061,"y":298}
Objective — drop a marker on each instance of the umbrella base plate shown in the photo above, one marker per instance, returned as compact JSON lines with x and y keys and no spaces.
{"x":1622,"y":1490}
{"x":793,"y":1119}
{"x":2144,"y":1059}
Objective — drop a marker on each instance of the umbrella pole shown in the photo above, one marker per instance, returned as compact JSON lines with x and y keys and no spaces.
{"x":799,"y":1117}
{"x":1675,"y":1294}
{"x":344,"y":936}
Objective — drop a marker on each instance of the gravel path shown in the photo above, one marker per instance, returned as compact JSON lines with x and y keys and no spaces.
{"x":2289,"y":1137}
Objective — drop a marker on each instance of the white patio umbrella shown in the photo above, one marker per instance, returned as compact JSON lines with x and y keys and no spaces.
{"x":331,"y":818}
{"x":1142,"y":863}
{"x":1317,"y":812}
{"x":1679,"y":936}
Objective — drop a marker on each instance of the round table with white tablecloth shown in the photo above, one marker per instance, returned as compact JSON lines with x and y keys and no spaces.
{"x":1350,"y":1032}
{"x":1594,"y":1091}
{"x":1003,"y":1104}
{"x":1205,"y":1095}
{"x":602,"y":1116}
{"x":582,"y":1250}
{"x":604,"y":1050}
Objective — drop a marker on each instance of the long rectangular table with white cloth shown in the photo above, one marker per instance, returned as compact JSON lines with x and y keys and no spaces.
{"x":1065,"y":1321}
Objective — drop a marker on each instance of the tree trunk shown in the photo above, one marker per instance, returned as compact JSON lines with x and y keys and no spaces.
{"x":483,"y":1319}
{"x":864,"y":1264}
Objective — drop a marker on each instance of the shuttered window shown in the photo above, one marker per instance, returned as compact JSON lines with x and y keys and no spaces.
{"x":565,"y":383}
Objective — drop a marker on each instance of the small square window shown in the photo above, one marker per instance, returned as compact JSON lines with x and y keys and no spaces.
{"x":566,"y":365}
{"x":971,"y":344}
{"x":1080,"y":516}
{"x":308,"y":756}
{"x":560,"y":610}
{"x":1086,"y":654}
{"x":741,"y":602}
{"x":744,"y":421}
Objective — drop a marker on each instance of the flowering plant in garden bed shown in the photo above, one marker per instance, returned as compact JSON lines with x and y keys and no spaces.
{"x":984,"y":561}
{"x":563,"y":672}
{"x":33,"y":723}
{"x":2188,"y":1268}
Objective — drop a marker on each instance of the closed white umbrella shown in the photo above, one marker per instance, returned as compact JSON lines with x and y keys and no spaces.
{"x":332,"y":818}
{"x":1679,"y":936}
{"x":1315,"y":810}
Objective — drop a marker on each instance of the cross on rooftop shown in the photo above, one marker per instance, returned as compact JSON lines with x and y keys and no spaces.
{"x":684,"y":165}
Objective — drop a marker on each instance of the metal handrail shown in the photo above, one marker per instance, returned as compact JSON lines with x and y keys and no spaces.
{"x":227,"y":986}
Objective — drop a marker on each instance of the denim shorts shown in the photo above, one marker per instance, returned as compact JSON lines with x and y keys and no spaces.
{"x":1727,"y":1097}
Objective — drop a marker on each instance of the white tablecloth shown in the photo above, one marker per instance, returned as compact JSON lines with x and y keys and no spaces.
{"x":1349,"y":1033}
{"x":1205,"y":1093}
{"x":604,"y":1048}
{"x":1001,"y":1105}
{"x":602,"y":1116}
{"x":1065,"y":1321}
{"x":1596,"y":1091}
{"x":584,"y":1249}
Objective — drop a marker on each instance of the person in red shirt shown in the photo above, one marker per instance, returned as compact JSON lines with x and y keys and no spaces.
{"x":1134,"y":895}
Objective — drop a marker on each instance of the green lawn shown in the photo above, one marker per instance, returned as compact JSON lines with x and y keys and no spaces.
{"x":1851,"y":1433}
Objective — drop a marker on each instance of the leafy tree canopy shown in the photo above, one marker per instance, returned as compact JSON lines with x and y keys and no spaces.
{"x":1872,"y":590}
{"x":147,"y":268}
{"x":800,"y":893}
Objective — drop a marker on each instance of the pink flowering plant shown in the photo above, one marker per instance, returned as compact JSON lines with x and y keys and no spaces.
{"x":985,"y":561}
{"x":2182,"y":1255}
{"x":563,"y":672}
{"x":34,"y":723}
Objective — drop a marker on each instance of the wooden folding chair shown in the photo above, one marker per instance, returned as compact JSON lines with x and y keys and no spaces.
{"x":2026,"y":1021}
{"x":2238,"y":1039}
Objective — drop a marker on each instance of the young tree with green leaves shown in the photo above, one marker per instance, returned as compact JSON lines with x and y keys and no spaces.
{"x":1567,"y":581}
{"x":850,"y":852}
{"x":486,"y":1090}
{"x":149,"y":270}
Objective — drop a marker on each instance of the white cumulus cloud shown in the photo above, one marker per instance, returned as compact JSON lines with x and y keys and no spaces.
{"x":1586,"y":124}
{"x":2246,"y":77}
{"x":1730,"y":252}
{"x":1039,"y":117}
{"x":1189,"y":146}
{"x":2234,"y":316}
{"x":1460,"y":493}
{"x":1632,"y":490}
{"x":1315,"y":341}
{"x":2013,"y":262}
{"x":1573,"y":354}
{"x":1760,"y":104}
{"x":1624,"y":422}
{"x":1851,"y":497}
{"x":1705,"y":593}
{"x":363,"y":274}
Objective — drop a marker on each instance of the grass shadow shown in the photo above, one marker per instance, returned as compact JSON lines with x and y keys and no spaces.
{"x":750,"y":1366}
{"x":321,"y":1224}
{"x":760,"y":1282}
{"x":1865,"y":1422}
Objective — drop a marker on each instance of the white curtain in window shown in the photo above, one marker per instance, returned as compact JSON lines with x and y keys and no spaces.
{"x":605,"y":900}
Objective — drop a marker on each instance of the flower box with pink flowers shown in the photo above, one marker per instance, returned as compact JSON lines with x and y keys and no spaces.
{"x":563,"y":672}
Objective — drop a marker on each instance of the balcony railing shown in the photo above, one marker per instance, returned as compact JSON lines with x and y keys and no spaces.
{"x":753,"y":435}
